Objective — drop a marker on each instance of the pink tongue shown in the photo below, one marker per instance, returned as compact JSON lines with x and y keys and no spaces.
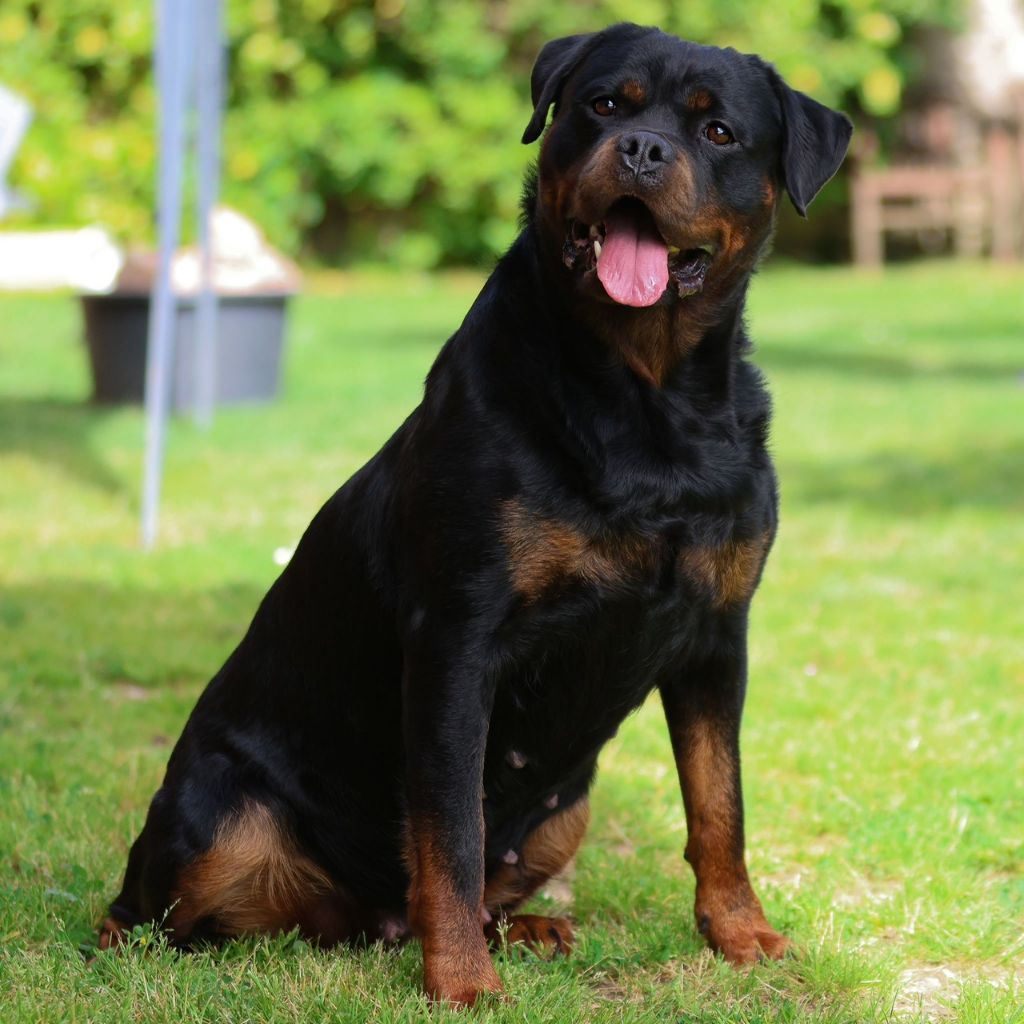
{"x":633,"y":265}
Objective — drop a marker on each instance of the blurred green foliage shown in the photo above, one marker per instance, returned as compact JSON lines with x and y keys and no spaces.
{"x":384,"y":129}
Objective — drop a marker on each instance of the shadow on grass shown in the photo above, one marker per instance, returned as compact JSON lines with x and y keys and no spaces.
{"x":903,"y":483}
{"x":807,"y":359}
{"x":57,"y":432}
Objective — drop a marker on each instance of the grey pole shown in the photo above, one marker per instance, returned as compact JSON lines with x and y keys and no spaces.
{"x":209,"y":79}
{"x":173,"y":54}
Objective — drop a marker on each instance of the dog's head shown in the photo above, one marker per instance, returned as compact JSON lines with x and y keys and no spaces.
{"x":662,"y":169}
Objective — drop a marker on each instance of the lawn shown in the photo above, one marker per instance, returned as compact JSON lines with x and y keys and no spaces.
{"x":883,"y":753}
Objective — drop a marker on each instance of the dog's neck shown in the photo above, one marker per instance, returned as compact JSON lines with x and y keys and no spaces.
{"x":656,"y":343}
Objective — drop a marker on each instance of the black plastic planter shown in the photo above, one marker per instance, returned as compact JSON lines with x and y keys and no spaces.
{"x":250,"y":341}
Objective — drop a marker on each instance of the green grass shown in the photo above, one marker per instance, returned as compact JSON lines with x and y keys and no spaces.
{"x":883,"y":753}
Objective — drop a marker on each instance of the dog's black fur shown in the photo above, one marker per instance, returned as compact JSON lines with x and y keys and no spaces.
{"x":577,"y":512}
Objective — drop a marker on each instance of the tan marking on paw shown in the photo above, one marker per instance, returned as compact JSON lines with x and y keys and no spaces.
{"x":551,"y":936}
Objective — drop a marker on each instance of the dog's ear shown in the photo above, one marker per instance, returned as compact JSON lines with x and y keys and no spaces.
{"x":815,"y":142}
{"x":556,"y":62}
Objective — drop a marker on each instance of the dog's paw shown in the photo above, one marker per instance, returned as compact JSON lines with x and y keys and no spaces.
{"x":458,"y":980}
{"x":743,"y":937}
{"x":113,"y":934}
{"x":552,"y":936}
{"x":459,"y":992}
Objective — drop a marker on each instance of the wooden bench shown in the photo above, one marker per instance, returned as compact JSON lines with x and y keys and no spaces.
{"x":981,"y":206}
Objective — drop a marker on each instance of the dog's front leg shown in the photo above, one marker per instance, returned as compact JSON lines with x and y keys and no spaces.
{"x":703,"y":707}
{"x":446,"y":713}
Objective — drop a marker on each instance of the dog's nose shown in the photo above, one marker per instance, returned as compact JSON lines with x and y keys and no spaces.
{"x":645,"y":153}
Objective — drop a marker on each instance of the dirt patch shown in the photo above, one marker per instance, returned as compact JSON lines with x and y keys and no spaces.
{"x":931,"y":991}
{"x":126,"y":691}
{"x":861,"y":891}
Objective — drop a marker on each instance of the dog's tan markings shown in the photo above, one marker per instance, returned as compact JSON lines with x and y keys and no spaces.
{"x":559,"y":187}
{"x":252,"y":879}
{"x":546,"y":852}
{"x":728,"y":912}
{"x":708,"y":774}
{"x":565,"y":199}
{"x":634,"y":92}
{"x":456,"y":964}
{"x":648,"y":347}
{"x":701,"y":100}
{"x":739,"y":236}
{"x":729,"y":571}
{"x":542,"y":552}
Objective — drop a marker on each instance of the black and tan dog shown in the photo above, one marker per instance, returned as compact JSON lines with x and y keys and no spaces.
{"x":577,"y":513}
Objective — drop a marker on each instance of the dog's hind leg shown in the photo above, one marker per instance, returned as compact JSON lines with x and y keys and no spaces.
{"x":249,"y":877}
{"x":254,"y":880}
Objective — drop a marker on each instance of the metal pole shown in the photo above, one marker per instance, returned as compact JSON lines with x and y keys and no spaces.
{"x":209,"y":81}
{"x":172,"y":65}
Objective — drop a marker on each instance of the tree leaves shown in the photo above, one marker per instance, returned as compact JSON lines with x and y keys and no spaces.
{"x":389,"y":128}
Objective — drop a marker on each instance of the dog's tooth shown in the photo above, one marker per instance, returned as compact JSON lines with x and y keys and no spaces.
{"x":551,"y":802}
{"x":594,"y":231}
{"x":673,"y":250}
{"x":597,"y":249}
{"x":515,"y":759}
{"x":510,"y":857}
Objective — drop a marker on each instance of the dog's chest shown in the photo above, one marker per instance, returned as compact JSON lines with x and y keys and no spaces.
{"x":600,"y":620}
{"x":607,"y":605}
{"x":600,"y":628}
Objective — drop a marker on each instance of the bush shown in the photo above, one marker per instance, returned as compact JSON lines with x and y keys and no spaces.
{"x":379,"y":130}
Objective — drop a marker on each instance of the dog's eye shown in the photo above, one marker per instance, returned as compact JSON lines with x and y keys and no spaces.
{"x":604,"y":106}
{"x":718,"y":134}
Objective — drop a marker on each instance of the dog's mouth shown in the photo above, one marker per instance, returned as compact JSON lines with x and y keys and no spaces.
{"x":633,"y":262}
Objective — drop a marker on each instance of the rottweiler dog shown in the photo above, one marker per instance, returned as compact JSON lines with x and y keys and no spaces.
{"x":578,"y":512}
